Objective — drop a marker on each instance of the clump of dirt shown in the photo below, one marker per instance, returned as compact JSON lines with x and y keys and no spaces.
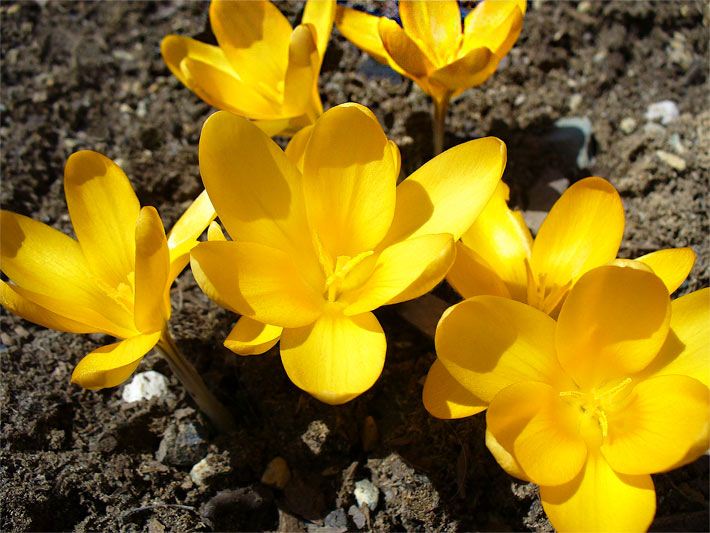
{"x":89,"y":76}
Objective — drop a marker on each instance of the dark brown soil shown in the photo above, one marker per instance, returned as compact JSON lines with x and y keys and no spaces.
{"x":89,"y":75}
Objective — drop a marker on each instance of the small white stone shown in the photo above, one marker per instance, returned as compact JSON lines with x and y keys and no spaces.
{"x":671,"y":160}
{"x":144,"y":386}
{"x":665,"y":111}
{"x":574,"y":102}
{"x":627,"y":125}
{"x":366,"y":494}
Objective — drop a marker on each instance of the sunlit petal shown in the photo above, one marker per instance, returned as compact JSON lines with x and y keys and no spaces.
{"x":612,"y":324}
{"x":257,"y":281}
{"x":444,"y":397}
{"x":185,"y":232}
{"x":470,"y":70}
{"x":495,"y":25}
{"x":336,"y":358}
{"x":671,"y":265}
{"x":103,"y":209}
{"x":488,"y":343}
{"x":599,"y":499}
{"x":532,"y":422}
{"x":583,"y":230}
{"x":249,"y":337}
{"x":435,"y":25}
{"x":362,"y":30}
{"x":111,"y":365}
{"x":320,"y":14}
{"x":403,"y":50}
{"x":450,"y":191}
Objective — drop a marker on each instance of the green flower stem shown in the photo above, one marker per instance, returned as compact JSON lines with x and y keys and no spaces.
{"x":194,"y":384}
{"x":440,"y":109}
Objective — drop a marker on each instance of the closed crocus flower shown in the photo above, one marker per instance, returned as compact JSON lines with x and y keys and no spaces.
{"x":113,"y":279}
{"x":589,"y":406}
{"x":434,"y":49}
{"x":263,"y":69}
{"x":497,"y":256}
{"x":322,"y":236}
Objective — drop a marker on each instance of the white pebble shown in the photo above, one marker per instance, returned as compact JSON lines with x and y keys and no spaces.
{"x":671,"y":160}
{"x":627,"y":125}
{"x":666,"y":111}
{"x":366,"y":494}
{"x":144,"y":386}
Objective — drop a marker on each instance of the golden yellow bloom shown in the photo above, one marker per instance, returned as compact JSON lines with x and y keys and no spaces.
{"x":263,"y":69}
{"x":583,"y":230}
{"x":114,"y":278}
{"x":322,"y":236}
{"x":433,"y":49}
{"x":588,"y":406}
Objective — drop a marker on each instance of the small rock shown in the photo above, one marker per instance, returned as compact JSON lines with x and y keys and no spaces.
{"x":676,"y":144}
{"x":654,"y":130}
{"x":573,"y":136}
{"x":678,"y":52}
{"x":574,"y":102}
{"x":369,"y":434}
{"x":277,"y":473}
{"x":671,"y":160}
{"x":181,"y":445}
{"x":212,"y":465}
{"x":519,"y":100}
{"x":358,"y":517}
{"x":337,"y":519}
{"x":366,"y":494}
{"x":665,"y":111}
{"x":534,"y":219}
{"x":584,"y":6}
{"x":315,"y":436}
{"x":244,"y":509}
{"x":144,"y":386}
{"x":627,"y":125}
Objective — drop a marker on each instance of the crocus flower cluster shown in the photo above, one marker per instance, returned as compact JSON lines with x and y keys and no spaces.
{"x":592,"y":379}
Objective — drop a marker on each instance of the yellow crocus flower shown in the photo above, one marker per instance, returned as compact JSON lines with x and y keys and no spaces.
{"x":114,"y":278}
{"x":322,"y":236}
{"x":263,"y":69}
{"x":589,"y":406}
{"x":433,"y":49}
{"x":497,"y":256}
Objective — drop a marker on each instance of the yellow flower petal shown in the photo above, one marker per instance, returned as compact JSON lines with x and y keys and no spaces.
{"x":175,"y":48}
{"x":14,"y":302}
{"x":296,"y":148}
{"x":501,"y":238}
{"x":583,"y":230}
{"x":532,"y":422}
{"x":36,"y":256}
{"x":612,"y":324}
{"x":435,"y":25}
{"x":336,"y":358}
{"x":224,"y":90}
{"x":257,"y":281}
{"x":256,"y":190}
{"x":214,"y":232}
{"x":152,"y":299}
{"x":601,"y":500}
{"x":495,"y":25}
{"x":672,"y":265}
{"x":403,"y":271}
{"x":249,"y":337}
{"x":111,"y":365}
{"x":450,"y":191}
{"x":361,"y":29}
{"x":470,"y":70}
{"x":302,"y":71}
{"x":320,"y":14}
{"x":254,"y":36}
{"x":103,"y":209}
{"x":185,"y":232}
{"x":444,"y":397}
{"x":471,"y":275}
{"x":403,"y":50}
{"x":686,"y":350}
{"x":504,"y":458}
{"x":657,"y":424}
{"x":349,"y":178}
{"x":487,"y":343}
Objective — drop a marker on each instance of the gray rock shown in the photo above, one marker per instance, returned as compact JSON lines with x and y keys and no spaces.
{"x":211,"y":466}
{"x":358,"y":517}
{"x":572,"y":136}
{"x":182,"y":445}
{"x":337,"y":519}
{"x":665,"y":111}
{"x":144,"y":386}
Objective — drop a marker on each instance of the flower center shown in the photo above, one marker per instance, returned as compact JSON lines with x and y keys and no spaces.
{"x":542,"y":296}
{"x":594,"y":405}
{"x":337,"y":278}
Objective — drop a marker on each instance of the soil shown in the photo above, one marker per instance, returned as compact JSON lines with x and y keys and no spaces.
{"x":89,"y":76}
